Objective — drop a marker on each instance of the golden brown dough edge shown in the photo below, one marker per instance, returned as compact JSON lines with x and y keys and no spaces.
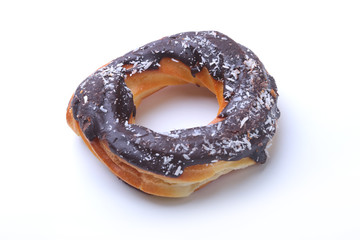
{"x":193,"y":177}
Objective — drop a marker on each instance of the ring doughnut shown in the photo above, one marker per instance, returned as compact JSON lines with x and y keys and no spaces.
{"x":174,"y":164}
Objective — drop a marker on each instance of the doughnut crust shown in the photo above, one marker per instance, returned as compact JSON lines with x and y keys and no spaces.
{"x":174,"y":164}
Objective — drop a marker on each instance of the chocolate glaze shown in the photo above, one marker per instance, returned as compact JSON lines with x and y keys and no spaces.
{"x":103,"y":104}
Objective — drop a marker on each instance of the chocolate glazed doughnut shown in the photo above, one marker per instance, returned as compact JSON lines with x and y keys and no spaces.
{"x":176,"y":163}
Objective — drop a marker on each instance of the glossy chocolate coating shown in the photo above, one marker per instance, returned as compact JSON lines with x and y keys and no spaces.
{"x":103,"y":104}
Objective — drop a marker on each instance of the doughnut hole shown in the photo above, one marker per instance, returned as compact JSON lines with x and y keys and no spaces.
{"x":177,"y":107}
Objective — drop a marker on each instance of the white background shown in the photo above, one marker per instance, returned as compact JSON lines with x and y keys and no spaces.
{"x":52,"y":187}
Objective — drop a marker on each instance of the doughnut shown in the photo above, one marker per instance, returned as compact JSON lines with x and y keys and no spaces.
{"x":176,"y":163}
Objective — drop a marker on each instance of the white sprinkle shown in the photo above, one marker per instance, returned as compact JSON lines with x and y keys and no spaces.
{"x":133,"y":72}
{"x":243,"y":121}
{"x":235,"y":73}
{"x":85,"y":99}
{"x":173,"y":135}
{"x":214,"y":61}
{"x":147,"y":65}
{"x":254,"y":134}
{"x":167,"y":159}
{"x":178,"y":171}
{"x":229,"y":88}
{"x":213,"y":33}
{"x":219,"y":126}
{"x":187,"y":38}
{"x":236,"y":99}
{"x":103,"y":109}
{"x":186,"y":157}
{"x":247,"y":142}
{"x":174,"y":60}
{"x":177,"y":147}
{"x":184,"y":147}
{"x":197,"y":132}
{"x":268,"y":120}
{"x":251,"y":64}
{"x":193,"y":150}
